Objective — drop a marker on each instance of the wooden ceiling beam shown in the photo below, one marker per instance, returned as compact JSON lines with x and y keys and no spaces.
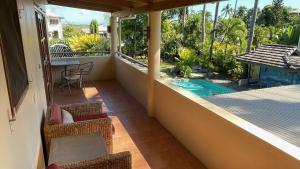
{"x":169,"y":4}
{"x":112,"y":6}
{"x":162,"y":5}
{"x":115,"y":3}
{"x":141,"y":1}
{"x":84,"y":5}
{"x":125,"y":7}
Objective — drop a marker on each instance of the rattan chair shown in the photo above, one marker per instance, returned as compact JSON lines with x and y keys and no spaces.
{"x":111,"y":161}
{"x":102,"y":126}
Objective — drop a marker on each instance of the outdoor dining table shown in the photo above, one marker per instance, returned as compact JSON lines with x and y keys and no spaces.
{"x":64,"y":62}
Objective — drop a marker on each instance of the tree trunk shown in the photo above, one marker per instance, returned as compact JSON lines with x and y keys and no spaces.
{"x":183,"y":23}
{"x":203,"y":25}
{"x":252,"y":26}
{"x":298,"y":43}
{"x":250,"y":38}
{"x":214,"y":31}
{"x":235,"y":6}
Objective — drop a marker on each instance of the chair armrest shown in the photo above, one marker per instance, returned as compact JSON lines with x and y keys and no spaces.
{"x":102,"y":126}
{"x":83,"y":108}
{"x":112,"y":161}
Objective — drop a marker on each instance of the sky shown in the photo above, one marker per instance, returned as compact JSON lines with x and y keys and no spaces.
{"x":78,"y":16}
{"x":81,"y":16}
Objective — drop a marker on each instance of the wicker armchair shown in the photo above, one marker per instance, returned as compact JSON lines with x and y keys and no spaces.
{"x":102,"y":126}
{"x":111,"y":161}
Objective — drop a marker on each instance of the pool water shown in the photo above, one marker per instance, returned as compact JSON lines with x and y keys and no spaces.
{"x":202,"y":88}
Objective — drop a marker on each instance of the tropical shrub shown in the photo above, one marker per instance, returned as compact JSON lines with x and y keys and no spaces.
{"x":70,"y":31}
{"x":226,"y":64}
{"x":183,"y":69}
{"x":262,"y":35}
{"x":193,"y":31}
{"x":290,"y":35}
{"x":232,"y":31}
{"x":169,"y":41}
{"x":187,"y":57}
{"x":236,"y":72}
{"x":206,"y":63}
{"x":89,"y":43}
{"x":133,"y":37}
{"x":54,"y":41}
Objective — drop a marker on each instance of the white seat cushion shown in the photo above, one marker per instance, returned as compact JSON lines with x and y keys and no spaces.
{"x":74,"y":77}
{"x":67,"y":117}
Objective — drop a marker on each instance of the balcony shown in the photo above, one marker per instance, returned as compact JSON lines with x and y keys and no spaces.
{"x":181,"y":120}
{"x":161,"y":125}
{"x":150,"y":144}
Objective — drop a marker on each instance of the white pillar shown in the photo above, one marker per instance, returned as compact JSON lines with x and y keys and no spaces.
{"x":113,"y":35}
{"x":153,"y":56}
{"x":120,"y":34}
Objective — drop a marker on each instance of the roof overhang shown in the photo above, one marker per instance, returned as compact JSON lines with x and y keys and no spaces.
{"x":274,"y":55}
{"x":268,"y":65}
{"x":124,"y":7}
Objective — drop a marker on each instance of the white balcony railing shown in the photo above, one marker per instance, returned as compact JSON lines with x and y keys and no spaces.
{"x":132,"y":60}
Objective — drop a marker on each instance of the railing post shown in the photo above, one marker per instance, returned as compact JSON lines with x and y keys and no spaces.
{"x":114,"y":35}
{"x":153,"y":56}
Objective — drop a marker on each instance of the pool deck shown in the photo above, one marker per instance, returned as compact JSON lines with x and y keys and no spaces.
{"x":275,"y":110}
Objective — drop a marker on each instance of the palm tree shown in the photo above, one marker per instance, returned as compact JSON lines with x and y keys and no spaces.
{"x":235,"y":7}
{"x":241,"y":13}
{"x":252,"y":26}
{"x":214,"y":30}
{"x":250,"y":37}
{"x":233,"y":31}
{"x":227,"y":11}
{"x":203,"y":25}
{"x":183,"y":17}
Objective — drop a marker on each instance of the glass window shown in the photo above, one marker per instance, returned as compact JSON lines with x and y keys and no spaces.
{"x":53,"y":21}
{"x":12,"y":53}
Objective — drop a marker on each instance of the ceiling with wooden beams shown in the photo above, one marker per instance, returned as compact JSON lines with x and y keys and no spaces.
{"x":127,"y":5}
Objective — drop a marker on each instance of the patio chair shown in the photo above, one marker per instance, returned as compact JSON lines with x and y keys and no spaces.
{"x":71,"y":75}
{"x":101,"y":126}
{"x":77,"y":74}
{"x":85,"y":70}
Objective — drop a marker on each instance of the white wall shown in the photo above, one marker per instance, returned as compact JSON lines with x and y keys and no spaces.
{"x":58,"y":27}
{"x":103,"y":69}
{"x":133,"y":79}
{"x":20,"y":142}
{"x":205,"y":130}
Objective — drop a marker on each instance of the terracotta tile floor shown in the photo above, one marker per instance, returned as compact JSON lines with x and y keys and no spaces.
{"x":151,"y":145}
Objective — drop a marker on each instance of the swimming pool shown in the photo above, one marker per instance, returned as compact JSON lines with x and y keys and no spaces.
{"x":202,"y":88}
